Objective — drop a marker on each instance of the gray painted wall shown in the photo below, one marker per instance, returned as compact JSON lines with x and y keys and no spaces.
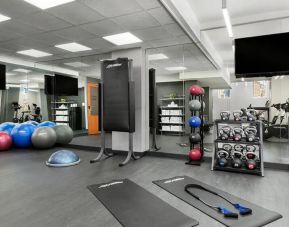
{"x":8,"y":96}
{"x":241,"y":97}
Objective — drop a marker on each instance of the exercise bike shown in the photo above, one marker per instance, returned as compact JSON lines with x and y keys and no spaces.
{"x":36,"y":115}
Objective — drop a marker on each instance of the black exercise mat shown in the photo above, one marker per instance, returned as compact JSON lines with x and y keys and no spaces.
{"x":259,"y":216}
{"x":133,"y":206}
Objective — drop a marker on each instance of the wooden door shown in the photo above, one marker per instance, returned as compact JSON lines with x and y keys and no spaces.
{"x":92,"y":108}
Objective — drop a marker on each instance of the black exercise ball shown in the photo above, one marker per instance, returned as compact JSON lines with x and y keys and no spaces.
{"x":195,"y":138}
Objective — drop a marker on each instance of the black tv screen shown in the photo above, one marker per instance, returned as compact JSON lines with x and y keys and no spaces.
{"x":262,"y":56}
{"x":65,"y":85}
{"x":2,"y":77}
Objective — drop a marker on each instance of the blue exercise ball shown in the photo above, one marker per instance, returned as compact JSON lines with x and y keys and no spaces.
{"x":47,"y":124}
{"x":21,"y":135}
{"x":7,"y":127}
{"x":63,"y":158}
{"x":195,"y":122}
{"x":33,"y":122}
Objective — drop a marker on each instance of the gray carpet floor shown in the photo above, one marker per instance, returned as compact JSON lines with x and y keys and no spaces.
{"x":33,"y":195}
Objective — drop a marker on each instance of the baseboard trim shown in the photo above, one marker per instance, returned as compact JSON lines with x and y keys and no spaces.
{"x":267,"y":165}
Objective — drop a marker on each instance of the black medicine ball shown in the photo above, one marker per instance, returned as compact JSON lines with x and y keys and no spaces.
{"x":195,"y":138}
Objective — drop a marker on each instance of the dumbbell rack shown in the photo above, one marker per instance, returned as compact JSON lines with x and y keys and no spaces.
{"x":260,"y":163}
{"x":199,"y":113}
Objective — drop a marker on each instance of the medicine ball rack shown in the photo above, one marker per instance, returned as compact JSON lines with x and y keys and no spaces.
{"x":199,"y":113}
{"x":258,"y":144}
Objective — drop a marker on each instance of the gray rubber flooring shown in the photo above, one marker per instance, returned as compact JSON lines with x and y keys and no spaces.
{"x":33,"y":195}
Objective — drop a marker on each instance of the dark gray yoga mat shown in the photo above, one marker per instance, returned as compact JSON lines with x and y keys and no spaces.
{"x":259,"y":217}
{"x":133,"y":206}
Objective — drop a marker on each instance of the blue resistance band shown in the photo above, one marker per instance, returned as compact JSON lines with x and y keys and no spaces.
{"x":226,"y":212}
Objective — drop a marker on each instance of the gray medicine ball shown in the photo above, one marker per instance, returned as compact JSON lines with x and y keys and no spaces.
{"x":64,"y":134}
{"x":43,"y":137}
{"x":194,"y":105}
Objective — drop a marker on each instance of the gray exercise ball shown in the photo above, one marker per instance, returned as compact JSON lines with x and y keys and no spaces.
{"x":194,"y":105}
{"x":64,"y":134}
{"x":43,"y":137}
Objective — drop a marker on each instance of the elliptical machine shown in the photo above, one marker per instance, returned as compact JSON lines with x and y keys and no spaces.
{"x":274,"y":129}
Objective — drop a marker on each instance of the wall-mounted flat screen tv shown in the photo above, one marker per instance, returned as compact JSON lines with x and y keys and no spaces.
{"x":2,"y":77}
{"x":65,"y":85}
{"x":261,"y":56}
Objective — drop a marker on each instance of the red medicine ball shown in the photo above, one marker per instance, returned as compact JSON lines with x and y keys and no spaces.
{"x":195,"y":154}
{"x":196,"y":90}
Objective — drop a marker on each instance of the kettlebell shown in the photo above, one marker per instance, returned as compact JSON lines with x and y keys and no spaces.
{"x":222,"y":158}
{"x":251,"y":158}
{"x":250,"y":133}
{"x":237,"y":115}
{"x":237,"y":159}
{"x":225,"y":115}
{"x":225,"y":132}
{"x":237,"y":133}
{"x":251,"y":164}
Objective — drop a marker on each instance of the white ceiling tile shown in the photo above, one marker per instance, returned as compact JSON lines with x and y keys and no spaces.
{"x":152,"y":33}
{"x":75,"y":13}
{"x":74,"y":34}
{"x":161,"y":15}
{"x":16,"y":8}
{"x":8,"y":35}
{"x":50,"y":39}
{"x":45,"y":21}
{"x":113,"y":8}
{"x":98,"y":43}
{"x":174,"y":29}
{"x":149,"y":4}
{"x":103,"y":28}
{"x":139,"y":20}
{"x":17,"y":26}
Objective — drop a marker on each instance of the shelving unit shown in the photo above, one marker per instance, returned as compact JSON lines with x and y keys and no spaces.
{"x":257,"y":143}
{"x":170,"y":125}
{"x":63,"y":118}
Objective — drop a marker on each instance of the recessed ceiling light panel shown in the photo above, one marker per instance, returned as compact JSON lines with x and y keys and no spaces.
{"x":176,"y":68}
{"x":24,"y":81}
{"x":155,"y":57}
{"x":34,"y":53}
{"x":46,"y":4}
{"x":4,"y":18}
{"x":122,"y":39}
{"x":77,"y":64}
{"x":73,"y":47}
{"x":10,"y":74}
{"x":22,"y":70}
